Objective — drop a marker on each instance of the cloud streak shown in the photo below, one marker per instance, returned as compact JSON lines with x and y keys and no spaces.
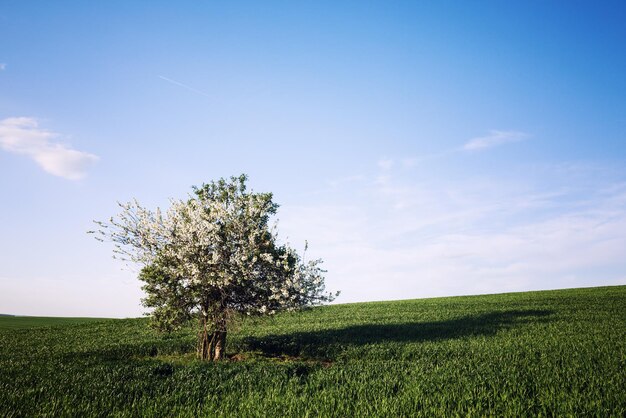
{"x":3,"y":66}
{"x":185,"y":86}
{"x":494,"y":138}
{"x":23,"y":136}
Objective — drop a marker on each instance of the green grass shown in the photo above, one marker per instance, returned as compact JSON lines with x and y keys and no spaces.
{"x":16,"y":322}
{"x":554,"y":353}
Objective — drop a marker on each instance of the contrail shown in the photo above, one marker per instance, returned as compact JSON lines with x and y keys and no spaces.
{"x":178,"y":83}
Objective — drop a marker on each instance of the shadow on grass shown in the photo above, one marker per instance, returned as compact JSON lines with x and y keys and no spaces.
{"x":130,"y":352}
{"x":328,"y":343}
{"x":320,"y":346}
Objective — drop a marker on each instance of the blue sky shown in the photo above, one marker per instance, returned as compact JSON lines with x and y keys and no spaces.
{"x":422,"y":148}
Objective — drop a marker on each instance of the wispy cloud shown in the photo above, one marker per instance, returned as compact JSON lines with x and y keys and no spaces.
{"x":494,"y":138}
{"x":185,"y":86}
{"x":345,"y":180}
{"x":3,"y":66}
{"x":22,"y":135}
{"x":414,"y":238}
{"x":385,"y":164}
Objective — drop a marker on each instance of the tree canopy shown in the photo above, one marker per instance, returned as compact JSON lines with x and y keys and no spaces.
{"x":213,"y":255}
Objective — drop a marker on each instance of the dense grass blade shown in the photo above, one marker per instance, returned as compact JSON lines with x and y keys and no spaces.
{"x":555,"y":353}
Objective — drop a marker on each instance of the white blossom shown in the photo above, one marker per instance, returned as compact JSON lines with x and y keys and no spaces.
{"x":219,"y":248}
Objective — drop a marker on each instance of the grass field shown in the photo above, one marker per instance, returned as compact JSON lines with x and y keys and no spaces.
{"x":17,"y":322}
{"x":553,"y":353}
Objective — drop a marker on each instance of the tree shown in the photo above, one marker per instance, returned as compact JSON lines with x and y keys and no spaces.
{"x":212,"y":256}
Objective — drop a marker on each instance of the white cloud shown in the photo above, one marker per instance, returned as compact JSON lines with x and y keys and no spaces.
{"x":409,"y":162}
{"x":385,"y":164}
{"x":407,"y":239}
{"x":22,"y":135}
{"x":344,"y":180}
{"x":493,"y":139}
{"x":3,"y":66}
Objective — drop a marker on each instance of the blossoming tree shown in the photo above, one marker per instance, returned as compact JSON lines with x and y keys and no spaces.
{"x":211,"y":256}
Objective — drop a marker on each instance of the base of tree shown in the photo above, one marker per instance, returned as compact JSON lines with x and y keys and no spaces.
{"x":212,"y":346}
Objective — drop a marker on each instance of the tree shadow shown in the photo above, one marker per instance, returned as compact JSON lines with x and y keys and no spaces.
{"x":130,"y":352}
{"x":327,"y":344}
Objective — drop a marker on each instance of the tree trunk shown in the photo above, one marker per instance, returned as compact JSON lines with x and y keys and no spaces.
{"x":220,"y":345}
{"x":211,"y":345}
{"x":205,"y":341}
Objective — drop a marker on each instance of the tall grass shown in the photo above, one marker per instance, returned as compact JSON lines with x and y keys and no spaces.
{"x":551,"y":353}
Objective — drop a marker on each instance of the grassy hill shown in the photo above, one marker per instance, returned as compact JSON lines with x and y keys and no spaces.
{"x":17,"y":322}
{"x":536,"y":353}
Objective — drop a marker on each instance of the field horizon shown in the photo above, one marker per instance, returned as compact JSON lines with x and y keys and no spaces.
{"x":337,"y":303}
{"x":555,"y":352}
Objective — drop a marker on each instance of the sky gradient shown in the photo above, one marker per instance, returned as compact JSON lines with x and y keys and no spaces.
{"x":422,"y":148}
